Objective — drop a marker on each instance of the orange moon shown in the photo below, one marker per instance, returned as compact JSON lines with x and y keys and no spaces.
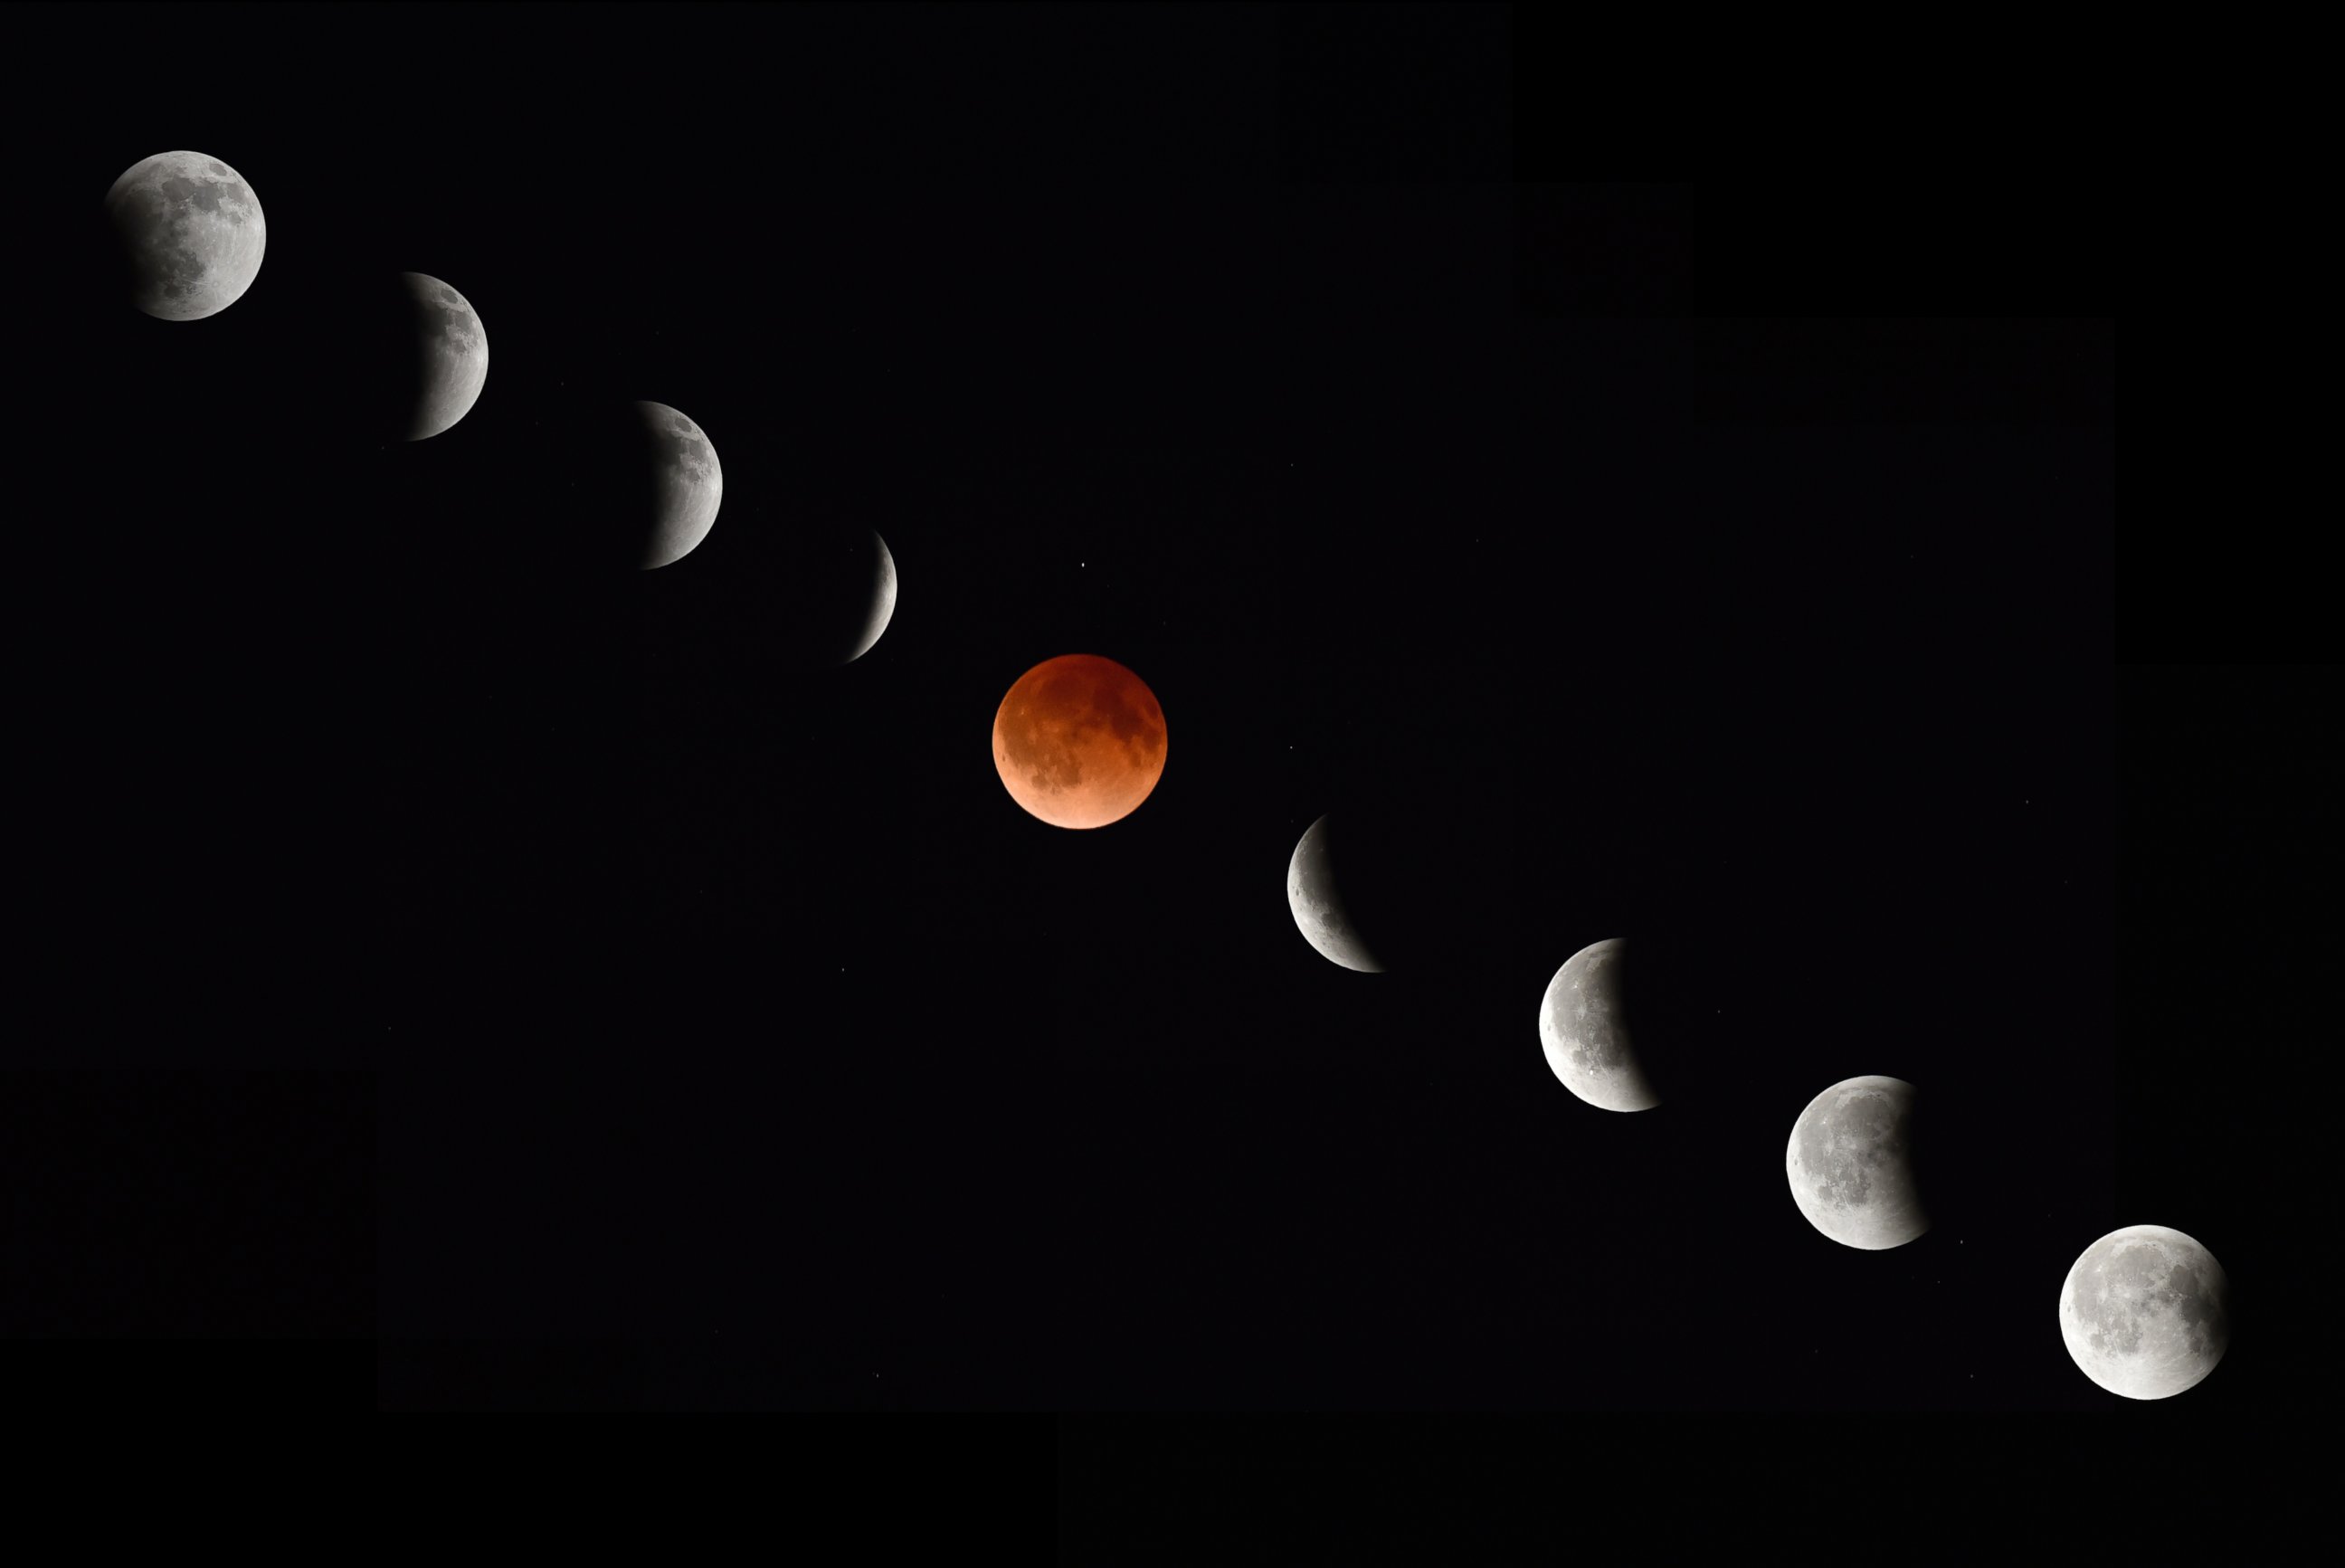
{"x":1079,"y":741}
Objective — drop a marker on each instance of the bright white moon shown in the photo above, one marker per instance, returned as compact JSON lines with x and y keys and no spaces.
{"x":1851,"y":1164}
{"x":2144,"y":1312}
{"x":1584,"y":1030}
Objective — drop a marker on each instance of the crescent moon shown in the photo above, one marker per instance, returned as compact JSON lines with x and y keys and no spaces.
{"x":451,"y":356}
{"x":883,"y":600}
{"x":1584,"y":1030}
{"x":1318,"y":905}
{"x":688,"y":483}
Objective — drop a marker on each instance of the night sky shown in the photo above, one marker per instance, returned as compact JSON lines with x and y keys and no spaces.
{"x":1726,"y":566}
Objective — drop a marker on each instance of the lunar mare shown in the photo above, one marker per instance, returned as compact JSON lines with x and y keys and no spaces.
{"x":1584,"y":1030}
{"x":1079,"y":741}
{"x":190,"y":231}
{"x":1851,"y":1164}
{"x":687,"y":484}
{"x":1317,"y":902}
{"x":454,"y":352}
{"x":2146,"y":1312}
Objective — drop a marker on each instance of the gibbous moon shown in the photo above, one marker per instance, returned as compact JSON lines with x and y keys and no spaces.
{"x":675,"y":513}
{"x":2146,"y":1312}
{"x":1318,"y":905}
{"x":1584,"y":1029}
{"x":447,"y":357}
{"x":190,"y":234}
{"x":1851,"y":1164}
{"x":1079,"y":741}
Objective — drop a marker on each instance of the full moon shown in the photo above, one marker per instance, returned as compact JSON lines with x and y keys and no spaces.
{"x":190,"y":234}
{"x":1851,"y":1164}
{"x":1584,"y":1029}
{"x":2146,"y":1312}
{"x":1079,"y":741}
{"x":447,"y":357}
{"x":1318,"y":904}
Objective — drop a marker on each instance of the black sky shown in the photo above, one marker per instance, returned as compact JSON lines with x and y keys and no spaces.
{"x":1729,"y":567}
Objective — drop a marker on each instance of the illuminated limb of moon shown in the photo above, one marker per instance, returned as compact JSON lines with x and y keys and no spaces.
{"x":1851,"y":1164}
{"x":191,"y":234}
{"x":1584,"y":1030}
{"x":1317,"y":902}
{"x":2146,"y":1312}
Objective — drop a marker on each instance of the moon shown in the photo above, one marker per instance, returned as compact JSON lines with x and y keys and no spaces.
{"x":882,"y":600}
{"x":190,"y":234}
{"x":1851,"y":1164}
{"x":686,"y":483}
{"x":448,"y":355}
{"x":1318,"y":905}
{"x":1584,"y":1030}
{"x":1079,"y":741}
{"x":2146,"y":1312}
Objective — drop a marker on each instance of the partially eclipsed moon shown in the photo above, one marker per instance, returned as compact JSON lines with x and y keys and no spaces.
{"x":451,"y":356}
{"x":1317,"y":902}
{"x":1584,"y":1029}
{"x":1851,"y":1164}
{"x":687,"y":482}
{"x":883,"y":599}
{"x":1079,"y":741}
{"x":191,"y":233}
{"x":2146,"y":1312}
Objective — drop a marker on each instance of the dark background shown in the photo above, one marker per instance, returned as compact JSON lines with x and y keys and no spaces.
{"x":1729,"y":567}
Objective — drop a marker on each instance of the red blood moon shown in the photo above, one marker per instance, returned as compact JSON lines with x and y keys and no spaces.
{"x":1079,"y":741}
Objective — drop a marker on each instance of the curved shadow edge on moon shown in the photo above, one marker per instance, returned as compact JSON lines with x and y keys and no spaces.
{"x":2144,"y":1312}
{"x":1851,"y":1166}
{"x":453,"y":349}
{"x":689,"y":485}
{"x":1584,"y":1030}
{"x":191,"y":233}
{"x":1317,"y":903}
{"x":883,"y":601}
